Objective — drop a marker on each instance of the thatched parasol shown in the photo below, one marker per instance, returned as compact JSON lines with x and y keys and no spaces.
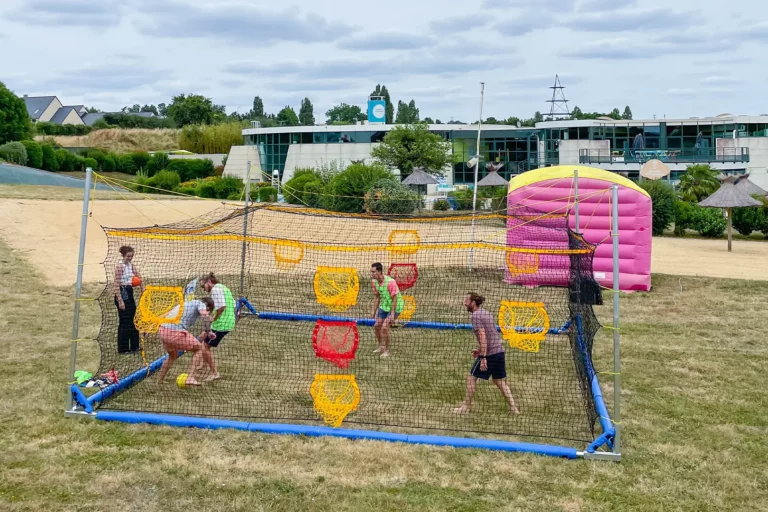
{"x":420,"y":177}
{"x":493,"y":178}
{"x":730,"y":195}
{"x":749,"y":188}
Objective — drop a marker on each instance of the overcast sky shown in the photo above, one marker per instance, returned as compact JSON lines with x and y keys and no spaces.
{"x":679,"y":59}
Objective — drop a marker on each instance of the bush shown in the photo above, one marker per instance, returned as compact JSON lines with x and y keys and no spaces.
{"x":140,"y":159}
{"x":313,"y":194}
{"x":389,"y":196}
{"x":97,"y":155}
{"x":267,"y":194}
{"x":663,"y":200}
{"x":50,"y":162}
{"x":66,"y":160}
{"x":218,"y":170}
{"x":189,"y":191}
{"x":34,"y":154}
{"x":62,"y":129}
{"x":217,"y":138}
{"x":165,"y":180}
{"x":189,"y":169}
{"x":709,"y":222}
{"x":109,"y":164}
{"x":346,"y":190}
{"x":158,"y":162}
{"x":14,"y":152}
{"x":126,"y":164}
{"x":92,"y":163}
{"x":227,"y":186}
{"x":206,"y":189}
{"x":463,"y":199}
{"x":684,"y":216}
{"x":441,"y":205}
{"x":294,"y":187}
{"x":747,"y":220}
{"x":134,"y":121}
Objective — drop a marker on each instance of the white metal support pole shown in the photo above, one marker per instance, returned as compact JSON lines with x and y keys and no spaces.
{"x":78,"y":287}
{"x":245,"y":226}
{"x":576,"y":199}
{"x":616,"y":333}
{"x":477,"y":171}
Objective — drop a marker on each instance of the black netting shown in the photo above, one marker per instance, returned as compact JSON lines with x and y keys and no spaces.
{"x":529,"y":267}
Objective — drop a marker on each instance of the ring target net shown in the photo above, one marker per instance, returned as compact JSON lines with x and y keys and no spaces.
{"x":303,"y":351}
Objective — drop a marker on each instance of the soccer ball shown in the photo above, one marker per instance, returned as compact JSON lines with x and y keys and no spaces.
{"x":135,"y":281}
{"x":181,"y":380}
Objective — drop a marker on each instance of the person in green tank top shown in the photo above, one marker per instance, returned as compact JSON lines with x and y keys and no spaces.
{"x":223,"y":314}
{"x":387,"y":305}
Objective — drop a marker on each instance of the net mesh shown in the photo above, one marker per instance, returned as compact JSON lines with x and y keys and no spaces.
{"x":308,"y":355}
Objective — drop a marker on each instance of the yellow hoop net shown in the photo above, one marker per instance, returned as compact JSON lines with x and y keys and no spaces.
{"x":409,"y":309}
{"x":155,"y":303}
{"x":523,"y":324}
{"x":334,"y":396}
{"x":522,"y":262}
{"x":288,"y":254}
{"x":336,"y":287}
{"x":403,"y":243}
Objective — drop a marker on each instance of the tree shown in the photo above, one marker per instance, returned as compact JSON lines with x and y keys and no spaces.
{"x":537,"y":117}
{"x":258,"y":107}
{"x":193,"y":109}
{"x":627,"y":113}
{"x":345,"y":114}
{"x":576,"y":113}
{"x":491,"y":120}
{"x":132,"y":110}
{"x":437,"y":121}
{"x":698,"y":182}
{"x":307,"y":113}
{"x":429,"y":120}
{"x":407,"y":113}
{"x":93,"y":110}
{"x":14,"y":119}
{"x":409,"y":146}
{"x":162,"y":109}
{"x":615,"y":114}
{"x":287,"y":117}
{"x":150,"y":108}
{"x":663,"y":201}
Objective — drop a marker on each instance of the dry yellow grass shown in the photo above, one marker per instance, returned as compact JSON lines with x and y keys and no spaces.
{"x":124,"y":140}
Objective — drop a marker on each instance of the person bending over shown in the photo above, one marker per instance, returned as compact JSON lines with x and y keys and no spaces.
{"x":387,"y":306}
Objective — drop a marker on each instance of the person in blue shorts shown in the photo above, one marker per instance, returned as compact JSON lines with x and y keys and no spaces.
{"x":387,"y":305}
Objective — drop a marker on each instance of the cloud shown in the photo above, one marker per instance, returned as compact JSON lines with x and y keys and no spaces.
{"x":757,"y":32}
{"x":632,"y":20}
{"x":720,"y":80}
{"x":622,"y":48}
{"x":541,"y":82}
{"x":103,"y":78}
{"x":385,"y":41}
{"x":436,"y":64}
{"x":603,"y":5}
{"x":681,"y":92}
{"x":541,"y":6}
{"x":458,"y":24}
{"x":101,"y":13}
{"x":243,"y":24}
{"x":522,"y":23}
{"x":293,"y":86}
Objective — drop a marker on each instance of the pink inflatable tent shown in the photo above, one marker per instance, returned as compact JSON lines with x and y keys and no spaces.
{"x":550,"y":190}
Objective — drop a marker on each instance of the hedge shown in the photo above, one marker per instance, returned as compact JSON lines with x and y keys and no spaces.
{"x":189,"y":169}
{"x":34,"y":154}
{"x":50,"y":162}
{"x":14,"y":152}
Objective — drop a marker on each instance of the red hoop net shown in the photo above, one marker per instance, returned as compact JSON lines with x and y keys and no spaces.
{"x":336,"y":342}
{"x":404,"y":274}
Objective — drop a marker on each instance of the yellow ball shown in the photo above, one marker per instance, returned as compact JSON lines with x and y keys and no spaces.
{"x":181,"y":380}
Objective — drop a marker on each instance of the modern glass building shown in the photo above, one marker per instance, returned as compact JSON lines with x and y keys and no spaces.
{"x":730,"y":143}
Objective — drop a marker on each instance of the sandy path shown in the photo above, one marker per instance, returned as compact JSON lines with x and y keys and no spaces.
{"x":47,"y":232}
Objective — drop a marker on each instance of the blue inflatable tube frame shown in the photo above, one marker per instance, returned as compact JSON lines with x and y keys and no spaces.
{"x":88,"y":404}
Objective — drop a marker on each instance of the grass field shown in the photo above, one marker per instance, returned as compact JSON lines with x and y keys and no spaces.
{"x":695,"y":419}
{"x":123,"y":140}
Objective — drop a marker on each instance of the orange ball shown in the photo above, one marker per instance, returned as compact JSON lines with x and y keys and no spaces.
{"x":136,"y":281}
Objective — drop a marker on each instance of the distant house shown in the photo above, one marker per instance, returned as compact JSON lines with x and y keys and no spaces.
{"x":48,"y":109}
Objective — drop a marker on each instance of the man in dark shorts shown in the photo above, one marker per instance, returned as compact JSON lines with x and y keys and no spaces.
{"x":489,"y":362}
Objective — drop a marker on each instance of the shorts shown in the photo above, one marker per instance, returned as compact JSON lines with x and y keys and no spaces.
{"x":497,"y":368}
{"x":384,"y":314}
{"x":176,"y":339}
{"x":219,"y":336}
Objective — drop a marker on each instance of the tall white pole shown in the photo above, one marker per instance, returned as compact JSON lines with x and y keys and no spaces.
{"x":79,"y":287}
{"x":576,"y":199}
{"x":616,"y":340}
{"x":477,"y":171}
{"x":245,"y":226}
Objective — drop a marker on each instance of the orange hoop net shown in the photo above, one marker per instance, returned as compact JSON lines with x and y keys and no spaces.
{"x":404,"y":274}
{"x":336,"y":342}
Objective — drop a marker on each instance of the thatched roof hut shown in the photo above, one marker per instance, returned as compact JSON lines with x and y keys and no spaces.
{"x":731,"y":195}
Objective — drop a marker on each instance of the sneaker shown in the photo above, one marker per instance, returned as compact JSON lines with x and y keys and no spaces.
{"x":462,"y":409}
{"x":385,"y":354}
{"x":377,"y":350}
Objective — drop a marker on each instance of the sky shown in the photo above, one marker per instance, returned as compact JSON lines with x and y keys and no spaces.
{"x":676,"y":59}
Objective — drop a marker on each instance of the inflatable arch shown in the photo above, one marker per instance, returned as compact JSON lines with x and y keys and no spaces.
{"x":551,"y":190}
